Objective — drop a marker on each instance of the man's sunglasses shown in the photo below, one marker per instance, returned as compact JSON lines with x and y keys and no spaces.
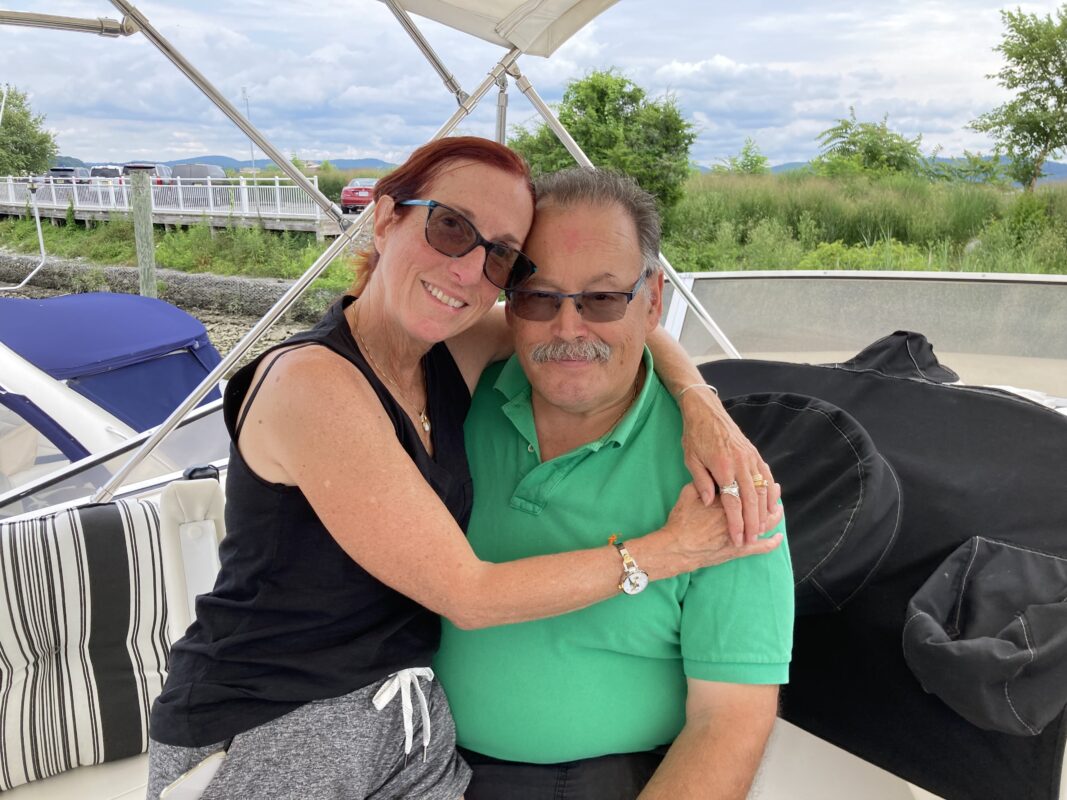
{"x":452,"y":234}
{"x":541,"y":306}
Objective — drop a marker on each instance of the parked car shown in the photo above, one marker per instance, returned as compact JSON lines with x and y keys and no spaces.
{"x":109,"y":171}
{"x":160,"y":173}
{"x":198,"y":173}
{"x":69,"y":174}
{"x":357,"y":195}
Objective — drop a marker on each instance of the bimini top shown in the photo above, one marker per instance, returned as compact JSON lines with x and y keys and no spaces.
{"x":137,"y":357}
{"x":75,"y":335}
{"x":537,"y":27}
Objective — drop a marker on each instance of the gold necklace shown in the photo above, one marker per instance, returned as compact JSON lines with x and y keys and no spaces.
{"x":628,"y":406}
{"x":425,"y":420}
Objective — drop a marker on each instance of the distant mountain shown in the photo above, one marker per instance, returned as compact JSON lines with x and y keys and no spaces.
{"x":68,"y":161}
{"x":226,"y":162}
{"x":232,"y":163}
{"x":789,"y":166}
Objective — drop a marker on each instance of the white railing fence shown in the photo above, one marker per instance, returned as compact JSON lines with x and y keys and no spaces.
{"x":252,"y":197}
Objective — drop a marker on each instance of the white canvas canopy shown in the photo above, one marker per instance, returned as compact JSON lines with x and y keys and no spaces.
{"x":536,"y":27}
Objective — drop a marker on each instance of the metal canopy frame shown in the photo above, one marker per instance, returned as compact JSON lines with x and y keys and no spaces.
{"x":133,"y":21}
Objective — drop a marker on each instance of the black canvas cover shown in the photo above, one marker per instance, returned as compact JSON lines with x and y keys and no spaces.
{"x":905,"y":354}
{"x":970,"y":462}
{"x":841,"y":496}
{"x":987,"y":633}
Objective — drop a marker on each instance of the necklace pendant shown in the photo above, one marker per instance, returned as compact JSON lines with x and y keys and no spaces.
{"x":425,"y":421}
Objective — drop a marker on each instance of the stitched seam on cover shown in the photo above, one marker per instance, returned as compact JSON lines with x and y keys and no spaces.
{"x":889,"y":545}
{"x":963,"y":585}
{"x":904,"y":630}
{"x":859,"y":502}
{"x":1021,"y":549}
{"x":1007,"y":695}
{"x":907,"y":346}
{"x":825,"y":594}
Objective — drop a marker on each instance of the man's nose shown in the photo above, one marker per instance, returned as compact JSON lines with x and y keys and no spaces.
{"x":569,"y":322}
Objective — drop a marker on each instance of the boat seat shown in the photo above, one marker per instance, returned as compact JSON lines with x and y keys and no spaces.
{"x":191,"y":528}
{"x":105,"y":554}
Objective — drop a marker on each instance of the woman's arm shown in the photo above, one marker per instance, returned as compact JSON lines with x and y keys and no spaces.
{"x":318,"y":423}
{"x":716,"y":451}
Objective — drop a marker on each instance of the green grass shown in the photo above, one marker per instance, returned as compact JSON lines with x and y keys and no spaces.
{"x":724,"y":222}
{"x":247,"y":252}
{"x":801,"y":221}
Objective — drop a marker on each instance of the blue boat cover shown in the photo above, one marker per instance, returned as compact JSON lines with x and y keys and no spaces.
{"x":137,"y":357}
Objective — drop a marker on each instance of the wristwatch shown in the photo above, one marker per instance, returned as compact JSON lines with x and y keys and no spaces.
{"x":633,"y":580}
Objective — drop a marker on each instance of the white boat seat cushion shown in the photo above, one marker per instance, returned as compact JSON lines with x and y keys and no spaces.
{"x":83,"y":640}
{"x":191,"y":513}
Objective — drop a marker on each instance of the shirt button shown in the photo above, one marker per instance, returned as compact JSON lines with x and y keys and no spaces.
{"x":529,"y":448}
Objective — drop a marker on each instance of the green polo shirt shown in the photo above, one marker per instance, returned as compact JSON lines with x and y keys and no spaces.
{"x":610,"y":678}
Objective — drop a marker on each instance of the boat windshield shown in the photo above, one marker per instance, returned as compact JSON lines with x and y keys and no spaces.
{"x":200,"y":439}
{"x":993,"y":331}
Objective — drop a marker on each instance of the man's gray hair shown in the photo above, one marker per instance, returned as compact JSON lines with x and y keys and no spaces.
{"x":577,"y":185}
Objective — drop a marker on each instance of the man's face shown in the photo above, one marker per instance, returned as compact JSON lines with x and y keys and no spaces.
{"x":585,"y":248}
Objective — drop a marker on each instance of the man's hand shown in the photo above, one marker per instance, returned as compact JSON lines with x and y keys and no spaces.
{"x":717,"y":454}
{"x":716,"y":755}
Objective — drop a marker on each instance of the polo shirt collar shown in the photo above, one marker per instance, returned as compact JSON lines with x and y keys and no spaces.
{"x":513,"y":384}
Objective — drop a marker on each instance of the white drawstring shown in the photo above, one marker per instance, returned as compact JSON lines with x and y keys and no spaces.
{"x":403,"y":681}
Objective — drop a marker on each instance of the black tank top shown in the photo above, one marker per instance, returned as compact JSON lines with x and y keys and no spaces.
{"x":292,"y":617}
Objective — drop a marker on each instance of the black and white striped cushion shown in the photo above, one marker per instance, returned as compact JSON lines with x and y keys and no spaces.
{"x":83,"y":641}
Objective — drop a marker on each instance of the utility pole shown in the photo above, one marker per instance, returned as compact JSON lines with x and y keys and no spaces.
{"x":3,"y":103}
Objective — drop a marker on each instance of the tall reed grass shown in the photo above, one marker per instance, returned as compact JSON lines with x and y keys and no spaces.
{"x":802,"y":221}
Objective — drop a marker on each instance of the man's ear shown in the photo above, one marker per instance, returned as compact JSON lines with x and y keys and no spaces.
{"x":385,"y":217}
{"x":655,"y":300}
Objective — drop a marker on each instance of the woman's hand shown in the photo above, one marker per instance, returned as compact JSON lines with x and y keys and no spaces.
{"x":699,"y":532}
{"x":717,"y":453}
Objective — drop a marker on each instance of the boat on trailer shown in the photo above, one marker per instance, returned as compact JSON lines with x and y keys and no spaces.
{"x":892,"y":457}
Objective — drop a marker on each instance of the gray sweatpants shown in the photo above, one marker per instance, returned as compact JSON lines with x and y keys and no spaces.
{"x":343,"y":747}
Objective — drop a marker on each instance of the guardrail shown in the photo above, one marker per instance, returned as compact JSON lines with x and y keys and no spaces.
{"x":278,"y":198}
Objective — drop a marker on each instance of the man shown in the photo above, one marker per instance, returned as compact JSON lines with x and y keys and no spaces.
{"x":571,"y":441}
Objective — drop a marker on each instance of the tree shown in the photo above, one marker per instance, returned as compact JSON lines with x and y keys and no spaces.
{"x":854,"y":146}
{"x":750,"y":161}
{"x":1032,"y":127}
{"x":25,"y":146}
{"x":618,"y":127}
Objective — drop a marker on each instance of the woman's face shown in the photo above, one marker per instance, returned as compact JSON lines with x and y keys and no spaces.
{"x":433,"y":295}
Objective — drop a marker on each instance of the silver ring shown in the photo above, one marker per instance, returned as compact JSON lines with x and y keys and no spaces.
{"x":730,"y":488}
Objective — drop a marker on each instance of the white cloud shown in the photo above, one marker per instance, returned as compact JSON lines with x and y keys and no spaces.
{"x":343,"y":80}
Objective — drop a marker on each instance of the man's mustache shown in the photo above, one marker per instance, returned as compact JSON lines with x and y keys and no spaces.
{"x":578,"y":350}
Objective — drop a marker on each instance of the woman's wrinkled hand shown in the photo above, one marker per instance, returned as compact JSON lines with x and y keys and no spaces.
{"x":717,"y":453}
{"x":702,"y":531}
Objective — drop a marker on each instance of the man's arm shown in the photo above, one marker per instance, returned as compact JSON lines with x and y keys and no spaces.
{"x":716,"y":755}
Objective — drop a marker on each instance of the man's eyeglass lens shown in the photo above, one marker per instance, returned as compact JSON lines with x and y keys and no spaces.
{"x":452,"y":234}
{"x":536,"y":306}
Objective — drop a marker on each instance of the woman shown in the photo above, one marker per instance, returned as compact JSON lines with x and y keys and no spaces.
{"x":347,"y":494}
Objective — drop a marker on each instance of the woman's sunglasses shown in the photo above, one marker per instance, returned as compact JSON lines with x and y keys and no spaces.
{"x":541,"y":306}
{"x":452,"y":234}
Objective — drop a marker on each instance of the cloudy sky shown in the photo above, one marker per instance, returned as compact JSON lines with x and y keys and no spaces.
{"x":340,"y":79}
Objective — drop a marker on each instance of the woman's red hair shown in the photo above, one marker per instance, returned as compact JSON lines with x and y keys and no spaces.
{"x":410,"y":179}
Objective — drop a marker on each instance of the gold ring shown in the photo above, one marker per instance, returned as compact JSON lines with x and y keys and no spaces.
{"x":760,"y":483}
{"x":757,"y":478}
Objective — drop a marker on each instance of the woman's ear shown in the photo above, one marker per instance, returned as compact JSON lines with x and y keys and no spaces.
{"x":385,"y":217}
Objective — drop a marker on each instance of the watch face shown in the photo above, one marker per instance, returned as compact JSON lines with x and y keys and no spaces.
{"x":635,"y":582}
